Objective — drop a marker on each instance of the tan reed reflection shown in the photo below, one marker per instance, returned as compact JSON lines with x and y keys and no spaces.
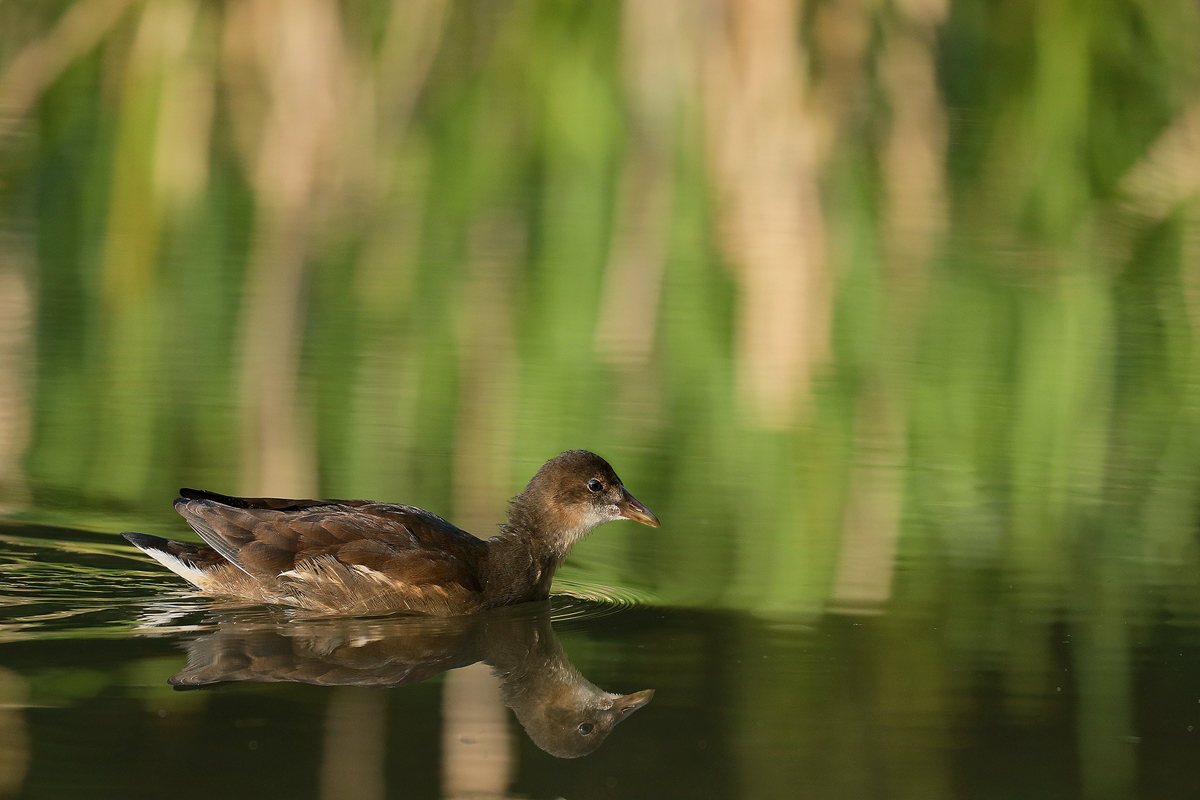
{"x":658,"y":49}
{"x":659,"y":58}
{"x":478,"y":750}
{"x":914,"y":154}
{"x":488,"y":362}
{"x":289,"y":83}
{"x":1168,"y":175}
{"x":762,"y":132}
{"x":16,"y":370}
{"x":914,"y":221}
{"x":1166,"y":181}
{"x":354,"y":755}
{"x":320,"y":128}
{"x":14,"y":733}
{"x":39,"y":63}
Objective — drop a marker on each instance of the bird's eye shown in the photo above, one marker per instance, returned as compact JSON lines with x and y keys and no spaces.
{"x":586,"y":728}
{"x":595,"y":485}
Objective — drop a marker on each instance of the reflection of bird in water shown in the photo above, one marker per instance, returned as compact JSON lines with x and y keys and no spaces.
{"x":564,"y":713}
{"x":362,"y":557}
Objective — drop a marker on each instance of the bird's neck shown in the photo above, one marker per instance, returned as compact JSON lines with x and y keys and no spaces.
{"x":522,"y":560}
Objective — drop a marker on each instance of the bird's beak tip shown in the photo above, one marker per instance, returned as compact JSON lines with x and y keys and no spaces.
{"x":632,"y":509}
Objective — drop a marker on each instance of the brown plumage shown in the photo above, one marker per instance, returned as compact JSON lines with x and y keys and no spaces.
{"x":363,"y":557}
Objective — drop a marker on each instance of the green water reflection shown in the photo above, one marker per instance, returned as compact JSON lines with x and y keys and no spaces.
{"x":884,"y":705}
{"x":888,"y":311}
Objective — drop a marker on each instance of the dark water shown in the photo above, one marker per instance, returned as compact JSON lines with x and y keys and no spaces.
{"x":840,"y":705}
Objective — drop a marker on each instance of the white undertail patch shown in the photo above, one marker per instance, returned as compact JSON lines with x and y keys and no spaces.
{"x":191,"y":574}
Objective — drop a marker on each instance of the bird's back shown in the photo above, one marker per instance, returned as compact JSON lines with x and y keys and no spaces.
{"x":336,"y":556}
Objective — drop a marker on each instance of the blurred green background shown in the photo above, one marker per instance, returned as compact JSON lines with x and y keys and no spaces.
{"x":878,"y":304}
{"x":836,"y":286}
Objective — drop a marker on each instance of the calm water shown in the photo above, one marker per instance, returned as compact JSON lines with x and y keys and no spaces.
{"x":894,"y":705}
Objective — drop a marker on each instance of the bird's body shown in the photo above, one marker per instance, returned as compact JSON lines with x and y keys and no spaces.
{"x":364,"y":557}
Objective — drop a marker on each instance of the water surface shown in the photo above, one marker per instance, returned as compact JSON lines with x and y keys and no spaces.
{"x":909,"y":703}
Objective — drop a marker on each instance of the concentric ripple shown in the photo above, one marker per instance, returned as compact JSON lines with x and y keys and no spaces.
{"x":576,"y":601}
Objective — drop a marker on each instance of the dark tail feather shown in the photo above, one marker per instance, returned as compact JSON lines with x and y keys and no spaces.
{"x":273,"y":503}
{"x":144,"y":541}
{"x":223,"y":499}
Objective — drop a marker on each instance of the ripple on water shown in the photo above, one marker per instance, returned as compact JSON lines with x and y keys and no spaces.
{"x":576,"y":601}
{"x":55,"y":582}
{"x":63,"y":583}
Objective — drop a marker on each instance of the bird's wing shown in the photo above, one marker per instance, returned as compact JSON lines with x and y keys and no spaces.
{"x":346,"y":546}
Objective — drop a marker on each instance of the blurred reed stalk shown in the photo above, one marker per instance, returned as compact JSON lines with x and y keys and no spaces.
{"x":913,"y":224}
{"x":17,"y":387}
{"x":487,"y":409}
{"x":763,"y":135}
{"x":354,"y":751}
{"x":290,"y":74}
{"x":478,"y":750}
{"x":658,"y":49}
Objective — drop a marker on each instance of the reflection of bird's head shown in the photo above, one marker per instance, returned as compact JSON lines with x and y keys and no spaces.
{"x":574,"y":720}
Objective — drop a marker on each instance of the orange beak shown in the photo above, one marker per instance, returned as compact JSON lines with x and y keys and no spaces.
{"x":634,"y":510}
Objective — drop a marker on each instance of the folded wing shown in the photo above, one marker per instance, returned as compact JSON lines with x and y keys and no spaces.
{"x":345,"y":556}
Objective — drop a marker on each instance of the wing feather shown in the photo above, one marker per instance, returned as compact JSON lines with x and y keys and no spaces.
{"x":350,"y":556}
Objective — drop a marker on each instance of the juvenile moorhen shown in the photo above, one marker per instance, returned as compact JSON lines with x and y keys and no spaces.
{"x":363,"y":557}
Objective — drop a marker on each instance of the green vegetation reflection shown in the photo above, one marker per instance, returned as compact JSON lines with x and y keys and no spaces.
{"x":454,"y":241}
{"x":836,"y":287}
